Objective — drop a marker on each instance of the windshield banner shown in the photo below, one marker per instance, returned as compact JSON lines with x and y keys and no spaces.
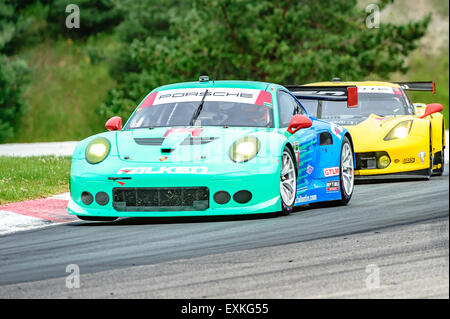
{"x":248,"y":96}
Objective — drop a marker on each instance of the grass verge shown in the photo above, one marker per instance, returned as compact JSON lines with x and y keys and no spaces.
{"x":24,"y":178}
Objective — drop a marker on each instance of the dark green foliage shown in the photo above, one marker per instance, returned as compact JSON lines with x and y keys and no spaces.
{"x":278,"y":41}
{"x":13,"y":72}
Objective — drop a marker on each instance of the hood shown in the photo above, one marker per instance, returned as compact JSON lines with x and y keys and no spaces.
{"x":180,"y":144}
{"x":373,"y":130}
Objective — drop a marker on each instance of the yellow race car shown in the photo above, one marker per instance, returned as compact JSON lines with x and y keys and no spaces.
{"x":392,"y":137}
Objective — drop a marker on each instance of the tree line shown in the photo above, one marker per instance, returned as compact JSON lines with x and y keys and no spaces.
{"x":166,"y":41}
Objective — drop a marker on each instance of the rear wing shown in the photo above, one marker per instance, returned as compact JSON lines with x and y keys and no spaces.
{"x":326,"y":93}
{"x":418,"y":86}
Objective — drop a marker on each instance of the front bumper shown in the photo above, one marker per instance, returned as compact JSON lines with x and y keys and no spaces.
{"x":408,"y":158}
{"x":261,"y":179}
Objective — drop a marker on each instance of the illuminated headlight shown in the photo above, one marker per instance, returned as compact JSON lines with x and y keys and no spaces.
{"x":244,"y":149}
{"x":401,"y":130}
{"x":383,"y":161}
{"x":97,"y":150}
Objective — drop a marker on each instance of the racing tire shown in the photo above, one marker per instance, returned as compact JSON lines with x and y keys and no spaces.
{"x":288,"y":182}
{"x":347,"y":157}
{"x":97,"y":219}
{"x":346,"y":172}
{"x":430,"y":169}
{"x":440,"y":159}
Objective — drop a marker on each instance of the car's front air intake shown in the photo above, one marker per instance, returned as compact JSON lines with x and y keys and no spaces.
{"x":161,"y":199}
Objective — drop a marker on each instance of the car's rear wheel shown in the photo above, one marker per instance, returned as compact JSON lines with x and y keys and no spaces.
{"x":430,"y":168}
{"x":440,"y":160}
{"x":97,"y":219}
{"x":347,"y":172}
{"x":288,"y":182}
{"x":440,"y":157}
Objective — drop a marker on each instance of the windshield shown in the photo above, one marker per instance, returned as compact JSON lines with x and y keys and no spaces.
{"x":213,"y":113}
{"x":381,"y":104}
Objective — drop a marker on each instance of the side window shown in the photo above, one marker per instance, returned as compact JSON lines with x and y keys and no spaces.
{"x":287,"y":107}
{"x":410,"y":106}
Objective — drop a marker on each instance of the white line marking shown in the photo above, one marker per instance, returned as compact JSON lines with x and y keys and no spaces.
{"x":65,"y":196}
{"x":38,"y":149}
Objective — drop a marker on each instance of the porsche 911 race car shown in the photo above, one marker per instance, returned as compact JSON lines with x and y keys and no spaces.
{"x":392,"y":137}
{"x":211,"y":148}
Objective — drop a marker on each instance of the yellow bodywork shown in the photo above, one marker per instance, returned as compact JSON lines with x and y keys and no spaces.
{"x":368,"y":136}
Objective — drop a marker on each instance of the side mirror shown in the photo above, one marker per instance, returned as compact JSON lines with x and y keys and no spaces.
{"x":298,"y":122}
{"x":114,"y":123}
{"x":431,"y":108}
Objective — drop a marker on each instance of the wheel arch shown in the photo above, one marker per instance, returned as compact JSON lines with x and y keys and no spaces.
{"x":291,"y":149}
{"x":347,"y":134}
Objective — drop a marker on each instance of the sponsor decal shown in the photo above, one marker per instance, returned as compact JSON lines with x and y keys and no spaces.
{"x":163,"y":170}
{"x":332,"y":186}
{"x":409,"y":160}
{"x":297,"y":152}
{"x":317,"y":92}
{"x":304,"y":199}
{"x":179,"y":95}
{"x":195,"y":132}
{"x":163,"y":158}
{"x":375,"y":89}
{"x":250,"y":96}
{"x":331,"y":171}
{"x":309,"y":169}
{"x":337,"y":130}
{"x":422,"y":155}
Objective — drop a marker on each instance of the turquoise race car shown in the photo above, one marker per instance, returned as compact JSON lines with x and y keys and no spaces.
{"x":212,"y":148}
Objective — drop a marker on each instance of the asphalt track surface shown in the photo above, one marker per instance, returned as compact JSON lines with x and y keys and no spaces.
{"x":400,"y":227}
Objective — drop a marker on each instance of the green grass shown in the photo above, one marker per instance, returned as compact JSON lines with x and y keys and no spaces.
{"x":65,"y":91}
{"x":24,"y":178}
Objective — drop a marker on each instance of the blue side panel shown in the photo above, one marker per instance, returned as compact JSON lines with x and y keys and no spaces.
{"x":306,"y":154}
{"x":320,"y":190}
{"x":319,"y":166}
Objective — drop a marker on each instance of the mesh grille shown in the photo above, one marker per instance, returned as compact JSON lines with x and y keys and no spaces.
{"x":161,"y":199}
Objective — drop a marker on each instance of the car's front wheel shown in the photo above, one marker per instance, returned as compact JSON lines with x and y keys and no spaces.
{"x":288,"y":182}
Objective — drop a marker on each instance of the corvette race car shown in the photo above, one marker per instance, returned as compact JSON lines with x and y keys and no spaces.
{"x":392,"y":136}
{"x":211,"y":148}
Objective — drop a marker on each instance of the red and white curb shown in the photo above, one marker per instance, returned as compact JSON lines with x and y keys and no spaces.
{"x":34,"y":213}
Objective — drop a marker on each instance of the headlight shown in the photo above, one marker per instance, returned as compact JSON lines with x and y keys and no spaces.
{"x":401,"y":130}
{"x":97,"y":150}
{"x":383,"y":161}
{"x":244,"y":149}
